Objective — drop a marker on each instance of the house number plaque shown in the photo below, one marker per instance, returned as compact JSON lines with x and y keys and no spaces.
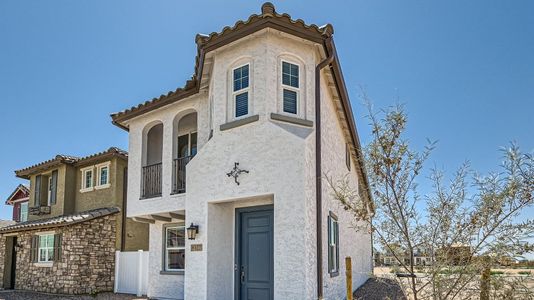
{"x":196,"y":247}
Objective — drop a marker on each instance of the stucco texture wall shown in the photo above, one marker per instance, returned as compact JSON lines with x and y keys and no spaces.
{"x":352,"y":242}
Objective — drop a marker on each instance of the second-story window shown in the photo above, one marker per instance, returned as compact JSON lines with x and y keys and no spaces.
{"x":23,"y":212}
{"x":290,"y":90}
{"x":102,"y":175}
{"x":87,"y":179}
{"x":241,"y":91}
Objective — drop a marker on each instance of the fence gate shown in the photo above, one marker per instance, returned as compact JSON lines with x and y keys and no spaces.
{"x":131,"y":272}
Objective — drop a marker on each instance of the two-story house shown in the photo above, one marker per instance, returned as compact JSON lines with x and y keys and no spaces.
{"x":19,"y":200}
{"x":228,"y":170}
{"x":76,"y":222}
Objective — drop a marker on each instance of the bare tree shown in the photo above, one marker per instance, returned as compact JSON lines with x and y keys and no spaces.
{"x":465,"y":225}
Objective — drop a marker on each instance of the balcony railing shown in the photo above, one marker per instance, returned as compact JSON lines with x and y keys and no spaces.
{"x":39,"y":210}
{"x":151,"y":181}
{"x":178,"y":167}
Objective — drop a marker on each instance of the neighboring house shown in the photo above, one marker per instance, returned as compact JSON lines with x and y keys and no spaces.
{"x":388,"y":259}
{"x":76,"y":222}
{"x":19,"y":200}
{"x":228,"y":171}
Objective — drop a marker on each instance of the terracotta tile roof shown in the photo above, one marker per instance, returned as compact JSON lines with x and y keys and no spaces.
{"x":205,"y":43}
{"x":61,"y":220}
{"x":69,"y":160}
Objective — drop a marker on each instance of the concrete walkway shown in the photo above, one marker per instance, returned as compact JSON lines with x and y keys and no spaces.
{"x":23,"y":295}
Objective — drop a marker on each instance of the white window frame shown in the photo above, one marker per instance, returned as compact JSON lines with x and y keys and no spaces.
{"x":334,"y":242}
{"x":47,"y":259}
{"x":291,"y":88}
{"x":99,"y":168}
{"x":241,"y":91}
{"x":84,"y":171}
{"x":21,"y":218}
{"x":166,"y":249}
{"x":49,"y":191}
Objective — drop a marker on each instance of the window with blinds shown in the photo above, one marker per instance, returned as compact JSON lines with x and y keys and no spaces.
{"x":290,"y":84}
{"x":241,"y":91}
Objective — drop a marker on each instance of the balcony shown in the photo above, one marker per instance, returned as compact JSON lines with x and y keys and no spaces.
{"x":151,"y":181}
{"x":178,"y":167}
{"x":39,"y":210}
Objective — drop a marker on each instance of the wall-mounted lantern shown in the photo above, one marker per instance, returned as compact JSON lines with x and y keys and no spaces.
{"x":18,"y":247}
{"x":192,"y":231}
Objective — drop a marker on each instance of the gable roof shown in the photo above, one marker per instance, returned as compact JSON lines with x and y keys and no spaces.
{"x":61,"y":220}
{"x":268,"y":18}
{"x":69,"y":160}
{"x":20,"y":188}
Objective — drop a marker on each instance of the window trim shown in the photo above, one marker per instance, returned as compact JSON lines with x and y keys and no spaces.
{"x":333,"y":269}
{"x":290,"y":88}
{"x":99,"y":168}
{"x":248,"y":90}
{"x":84,"y":171}
{"x":49,"y":191}
{"x":40,"y":235}
{"x":165,"y":257}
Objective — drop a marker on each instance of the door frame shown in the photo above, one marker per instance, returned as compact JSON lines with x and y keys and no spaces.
{"x":10,"y":261}
{"x":237,"y":242}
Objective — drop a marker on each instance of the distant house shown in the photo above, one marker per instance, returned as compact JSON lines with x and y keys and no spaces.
{"x":75,"y":223}
{"x":19,"y":200}
{"x":228,"y":170}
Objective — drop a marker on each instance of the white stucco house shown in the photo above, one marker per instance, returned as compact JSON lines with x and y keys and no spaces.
{"x":228,"y":169}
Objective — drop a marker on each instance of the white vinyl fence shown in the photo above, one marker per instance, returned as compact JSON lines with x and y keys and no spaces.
{"x":131,"y":272}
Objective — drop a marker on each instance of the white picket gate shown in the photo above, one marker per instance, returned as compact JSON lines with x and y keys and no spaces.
{"x":131,"y":272}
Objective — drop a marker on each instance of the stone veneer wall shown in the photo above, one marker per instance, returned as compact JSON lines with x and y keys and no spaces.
{"x":87,"y":261}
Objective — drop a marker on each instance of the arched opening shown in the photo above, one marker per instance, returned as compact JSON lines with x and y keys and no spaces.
{"x":151,"y":170}
{"x":185,"y":148}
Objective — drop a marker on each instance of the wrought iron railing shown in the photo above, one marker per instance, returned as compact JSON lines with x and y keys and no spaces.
{"x":151,"y":181}
{"x":178,"y":167}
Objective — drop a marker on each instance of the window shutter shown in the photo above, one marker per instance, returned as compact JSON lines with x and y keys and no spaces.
{"x":34,"y":248}
{"x":53,"y":188}
{"x":37,"y":189}
{"x":57,"y":247}
{"x":16,"y":212}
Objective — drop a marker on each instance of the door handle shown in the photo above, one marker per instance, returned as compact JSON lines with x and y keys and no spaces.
{"x":242,"y":274}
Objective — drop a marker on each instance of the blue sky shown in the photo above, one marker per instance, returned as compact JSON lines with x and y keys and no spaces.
{"x":463,"y":69}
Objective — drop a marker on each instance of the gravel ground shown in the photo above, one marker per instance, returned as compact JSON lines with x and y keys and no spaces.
{"x":20,"y":295}
{"x":379,"y":289}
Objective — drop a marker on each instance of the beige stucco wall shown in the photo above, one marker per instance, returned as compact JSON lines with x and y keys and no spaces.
{"x":70,"y":199}
{"x":57,"y":209}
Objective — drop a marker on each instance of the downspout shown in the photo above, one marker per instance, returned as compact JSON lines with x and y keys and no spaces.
{"x":318,"y":176}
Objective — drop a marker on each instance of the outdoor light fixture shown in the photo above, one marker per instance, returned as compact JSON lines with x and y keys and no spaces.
{"x":192,"y":231}
{"x":18,"y":247}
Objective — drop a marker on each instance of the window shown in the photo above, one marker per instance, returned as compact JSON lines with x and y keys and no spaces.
{"x":290,"y":83}
{"x":333,"y":245}
{"x":174,"y":245}
{"x":347,"y":156}
{"x":240,"y":91}
{"x":49,"y":197}
{"x":87,"y":179}
{"x":46,"y":248}
{"x":102,"y":180}
{"x":23,"y":212}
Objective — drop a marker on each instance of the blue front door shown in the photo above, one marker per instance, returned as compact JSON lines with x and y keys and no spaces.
{"x":254,"y":253}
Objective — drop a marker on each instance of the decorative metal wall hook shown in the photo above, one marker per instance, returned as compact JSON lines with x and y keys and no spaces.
{"x":236,"y":172}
